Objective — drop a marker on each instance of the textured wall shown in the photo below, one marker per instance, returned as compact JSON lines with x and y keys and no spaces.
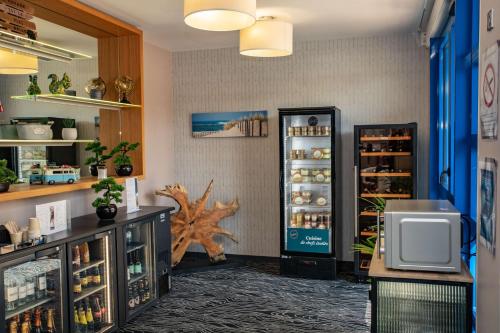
{"x":372,"y":80}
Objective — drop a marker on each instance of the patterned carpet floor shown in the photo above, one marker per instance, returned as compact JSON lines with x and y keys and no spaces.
{"x":254,"y":298}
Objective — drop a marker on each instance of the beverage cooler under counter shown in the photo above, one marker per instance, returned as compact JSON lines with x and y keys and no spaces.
{"x":34,"y":290}
{"x":309,"y":190}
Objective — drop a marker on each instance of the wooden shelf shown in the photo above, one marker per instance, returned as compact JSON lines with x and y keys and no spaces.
{"x":386,"y":153}
{"x":368,"y":233}
{"x":308,"y":136}
{"x":386,"y":195}
{"x":51,"y":143}
{"x":384,"y":138}
{"x":75,"y":100}
{"x":23,"y":191}
{"x":385,"y":174}
{"x":366,"y":213}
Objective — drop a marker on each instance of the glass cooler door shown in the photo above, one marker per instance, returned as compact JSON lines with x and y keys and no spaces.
{"x":307,"y":183}
{"x":92,"y":291}
{"x":34,"y":293}
{"x":140,"y":289}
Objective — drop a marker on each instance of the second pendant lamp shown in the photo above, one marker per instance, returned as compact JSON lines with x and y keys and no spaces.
{"x":268,"y":37}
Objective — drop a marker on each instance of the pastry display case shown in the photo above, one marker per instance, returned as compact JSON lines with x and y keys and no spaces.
{"x":309,"y":189}
{"x":385,"y":168}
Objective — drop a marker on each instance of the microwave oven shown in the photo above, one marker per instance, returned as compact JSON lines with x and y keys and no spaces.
{"x":422,"y":235}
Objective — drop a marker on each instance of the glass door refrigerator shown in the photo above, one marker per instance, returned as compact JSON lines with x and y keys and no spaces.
{"x":92,"y":291}
{"x":144,"y":262}
{"x":34,"y":288}
{"x":309,"y":190}
{"x":385,"y":168}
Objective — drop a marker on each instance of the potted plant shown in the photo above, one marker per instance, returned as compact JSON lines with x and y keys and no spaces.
{"x":69,"y":131}
{"x":99,"y":158}
{"x":7,"y":176}
{"x":123,"y":162}
{"x":105,"y":205}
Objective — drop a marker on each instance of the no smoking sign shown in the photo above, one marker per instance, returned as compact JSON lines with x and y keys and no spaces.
{"x":489,"y":86}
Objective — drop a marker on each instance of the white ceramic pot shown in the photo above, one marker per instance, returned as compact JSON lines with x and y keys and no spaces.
{"x":69,"y":133}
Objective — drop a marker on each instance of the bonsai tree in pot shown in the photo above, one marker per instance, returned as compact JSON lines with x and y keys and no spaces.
{"x":123,"y":162}
{"x":105,"y":207}
{"x":7,"y":176}
{"x":69,"y":131}
{"x":99,"y":158}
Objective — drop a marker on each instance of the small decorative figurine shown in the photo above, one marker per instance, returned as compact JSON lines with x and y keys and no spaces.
{"x":33,"y":88}
{"x":54,"y":174}
{"x":124,"y":85}
{"x":57,"y":86}
{"x":96,"y":88}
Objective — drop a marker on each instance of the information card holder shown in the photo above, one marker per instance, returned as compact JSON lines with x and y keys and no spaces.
{"x":132,"y":195}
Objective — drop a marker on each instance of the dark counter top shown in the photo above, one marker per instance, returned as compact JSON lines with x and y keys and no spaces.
{"x":85,"y":226}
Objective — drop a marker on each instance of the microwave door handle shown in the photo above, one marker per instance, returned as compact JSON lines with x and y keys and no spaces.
{"x":356,"y":217}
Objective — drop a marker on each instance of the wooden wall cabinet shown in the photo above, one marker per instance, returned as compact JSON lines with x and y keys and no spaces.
{"x":120,"y":52}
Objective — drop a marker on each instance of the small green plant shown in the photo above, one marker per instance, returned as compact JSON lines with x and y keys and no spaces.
{"x":6,"y":174}
{"x":68,"y":123}
{"x":99,"y":157}
{"x":112,"y":192}
{"x":123,"y":149}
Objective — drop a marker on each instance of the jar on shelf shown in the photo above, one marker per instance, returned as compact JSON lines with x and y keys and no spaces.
{"x":325,"y":130}
{"x":311,"y":131}
{"x":318,"y":130}
{"x":304,"y":131}
{"x":304,"y":172}
{"x":291,"y":131}
{"x":301,"y":154}
{"x":297,"y":131}
{"x":293,"y":154}
{"x":317,"y":153}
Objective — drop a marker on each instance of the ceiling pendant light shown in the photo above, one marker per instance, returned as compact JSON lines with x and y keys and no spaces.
{"x":17,"y":63}
{"x":219,"y":15}
{"x":268,"y":37}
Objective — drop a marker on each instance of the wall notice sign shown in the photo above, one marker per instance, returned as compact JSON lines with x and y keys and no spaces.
{"x":488,"y":218}
{"x":53,"y":217}
{"x":132,"y":195}
{"x":488,"y":113}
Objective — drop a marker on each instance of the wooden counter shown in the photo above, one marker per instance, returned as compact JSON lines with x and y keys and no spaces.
{"x":378,"y":270}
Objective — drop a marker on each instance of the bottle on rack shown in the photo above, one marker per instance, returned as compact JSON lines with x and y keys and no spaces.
{"x":27,"y":319}
{"x":51,"y":326}
{"x":25,"y":328}
{"x":37,"y":327}
{"x":103,"y":309}
{"x":97,"y":276}
{"x":84,"y":279}
{"x":142,"y":292}
{"x":76,"y":327}
{"x":11,"y":293}
{"x":76,"y":256}
{"x":77,"y":284}
{"x":137,"y":298}
{"x":30,"y":289}
{"x":137,"y":264}
{"x":129,"y":237}
{"x":85,"y":253}
{"x":89,"y":317}
{"x":147,"y":292}
{"x":41,"y":286}
{"x":82,"y":318}
{"x":131,"y":266}
{"x":96,"y":312}
{"x":13,"y":326}
{"x":131,"y":301}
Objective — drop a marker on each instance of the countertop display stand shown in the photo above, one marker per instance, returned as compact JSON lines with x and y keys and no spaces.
{"x":420,"y":301}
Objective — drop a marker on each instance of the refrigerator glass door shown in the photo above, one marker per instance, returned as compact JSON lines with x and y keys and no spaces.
{"x":91,"y":285}
{"x":140,"y":266}
{"x":307,"y":180}
{"x":33,"y":294}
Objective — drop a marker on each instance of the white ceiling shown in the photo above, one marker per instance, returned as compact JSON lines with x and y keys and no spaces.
{"x":163,"y":25}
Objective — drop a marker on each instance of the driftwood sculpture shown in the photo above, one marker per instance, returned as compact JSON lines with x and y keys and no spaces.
{"x":193,"y":223}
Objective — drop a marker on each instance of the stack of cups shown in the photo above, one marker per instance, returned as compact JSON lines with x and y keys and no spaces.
{"x":34,"y":228}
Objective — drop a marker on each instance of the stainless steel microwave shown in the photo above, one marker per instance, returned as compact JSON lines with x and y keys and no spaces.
{"x":422,"y":235}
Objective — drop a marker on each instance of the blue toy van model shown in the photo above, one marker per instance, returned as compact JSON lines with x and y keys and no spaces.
{"x":55,"y":175}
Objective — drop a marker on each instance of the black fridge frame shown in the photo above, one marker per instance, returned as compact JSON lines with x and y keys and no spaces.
{"x":114,"y":291}
{"x":336,"y":149}
{"x":125,"y":315}
{"x":34,"y":254}
{"x":357,"y":129}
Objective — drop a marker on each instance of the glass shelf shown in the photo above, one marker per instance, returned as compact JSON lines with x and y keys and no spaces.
{"x":327,"y":207}
{"x":87,"y":292}
{"x":308,"y":136}
{"x":87,"y":266}
{"x":385,"y":174}
{"x":136,"y":277}
{"x":52,"y":143}
{"x":26,"y":307}
{"x":385,"y":153}
{"x":310,"y":183}
{"x":135,"y":246}
{"x":75,"y":100}
{"x":384,"y":138}
{"x":42,"y":50}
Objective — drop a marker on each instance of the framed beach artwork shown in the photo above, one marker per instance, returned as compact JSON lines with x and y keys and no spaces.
{"x":230,"y":124}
